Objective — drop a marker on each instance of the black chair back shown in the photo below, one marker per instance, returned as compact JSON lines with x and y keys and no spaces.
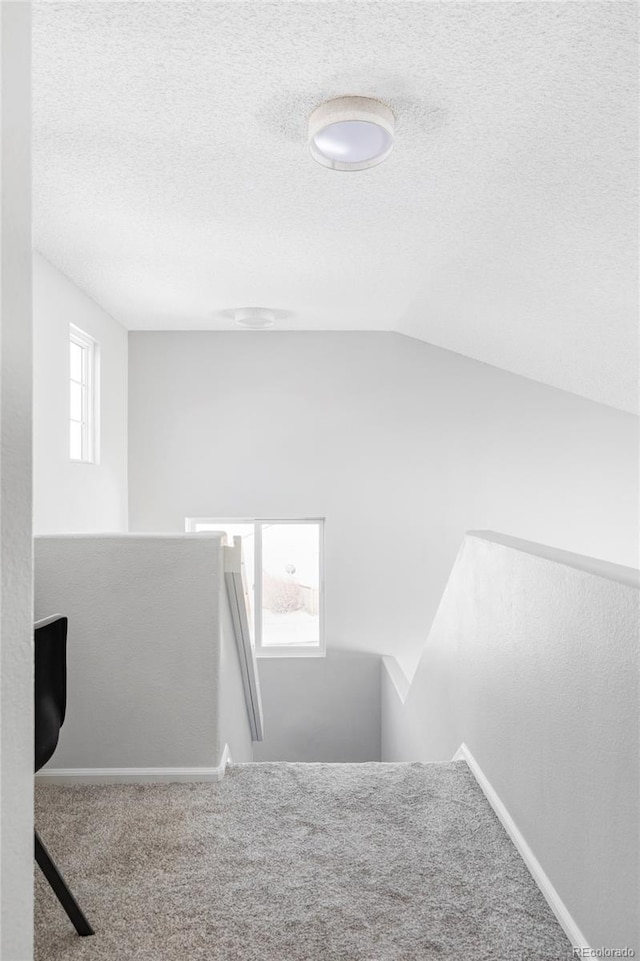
{"x":50,"y":638}
{"x":50,"y":707}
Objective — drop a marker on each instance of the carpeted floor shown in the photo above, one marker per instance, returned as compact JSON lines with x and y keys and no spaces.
{"x":292,"y":862}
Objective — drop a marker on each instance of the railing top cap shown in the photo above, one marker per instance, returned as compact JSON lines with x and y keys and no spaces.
{"x":591,"y":565}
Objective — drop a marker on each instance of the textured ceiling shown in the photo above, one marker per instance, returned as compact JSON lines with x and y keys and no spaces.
{"x":172,"y":178}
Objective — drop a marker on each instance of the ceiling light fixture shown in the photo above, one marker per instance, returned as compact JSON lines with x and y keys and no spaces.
{"x":351,"y":133}
{"x":255,"y":318}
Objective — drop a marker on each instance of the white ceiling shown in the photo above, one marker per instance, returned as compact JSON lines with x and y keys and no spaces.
{"x":172,"y":177}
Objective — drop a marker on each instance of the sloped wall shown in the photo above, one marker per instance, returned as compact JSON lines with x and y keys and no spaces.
{"x":532,"y":662}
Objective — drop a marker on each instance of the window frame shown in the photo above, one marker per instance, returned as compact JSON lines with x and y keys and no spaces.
{"x":88,"y":387}
{"x":273,"y":650}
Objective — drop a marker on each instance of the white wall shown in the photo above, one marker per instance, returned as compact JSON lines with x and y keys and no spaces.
{"x":400,"y":445}
{"x":143,"y":649}
{"x":68,"y":496}
{"x":533,"y":663}
{"x":320,"y":708}
{"x":16,"y":626}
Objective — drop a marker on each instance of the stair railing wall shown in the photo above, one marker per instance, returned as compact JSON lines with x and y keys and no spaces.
{"x":532,"y":663}
{"x":154,"y":682}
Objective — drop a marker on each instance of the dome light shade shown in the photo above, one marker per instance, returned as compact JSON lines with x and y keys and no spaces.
{"x":255,"y":318}
{"x":351,"y":133}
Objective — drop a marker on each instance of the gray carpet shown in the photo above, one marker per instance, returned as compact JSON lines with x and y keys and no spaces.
{"x":292,"y":862}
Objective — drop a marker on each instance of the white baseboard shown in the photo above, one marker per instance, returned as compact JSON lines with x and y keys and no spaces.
{"x":133,"y":775}
{"x":568,"y":925}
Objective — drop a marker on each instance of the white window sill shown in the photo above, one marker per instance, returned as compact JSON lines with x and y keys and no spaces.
{"x":290,"y":651}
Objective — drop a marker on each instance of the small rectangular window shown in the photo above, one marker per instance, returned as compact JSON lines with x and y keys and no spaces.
{"x":82,"y":391}
{"x":283,"y":563}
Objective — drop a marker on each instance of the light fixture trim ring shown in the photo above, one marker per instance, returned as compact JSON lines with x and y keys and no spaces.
{"x":349,"y":109}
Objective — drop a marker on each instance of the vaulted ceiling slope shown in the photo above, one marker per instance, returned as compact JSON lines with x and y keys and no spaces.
{"x":173,"y":181}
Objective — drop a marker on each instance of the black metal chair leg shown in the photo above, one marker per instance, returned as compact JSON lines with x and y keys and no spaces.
{"x":60,"y":889}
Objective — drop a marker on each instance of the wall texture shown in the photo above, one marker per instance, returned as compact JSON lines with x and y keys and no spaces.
{"x":144,"y":669}
{"x":320,"y":708}
{"x":533,"y":663}
{"x":400,"y":445}
{"x":68,"y":496}
{"x":16,"y":626}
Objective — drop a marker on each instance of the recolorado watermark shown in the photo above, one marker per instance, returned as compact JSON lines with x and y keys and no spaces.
{"x":603,"y":952}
